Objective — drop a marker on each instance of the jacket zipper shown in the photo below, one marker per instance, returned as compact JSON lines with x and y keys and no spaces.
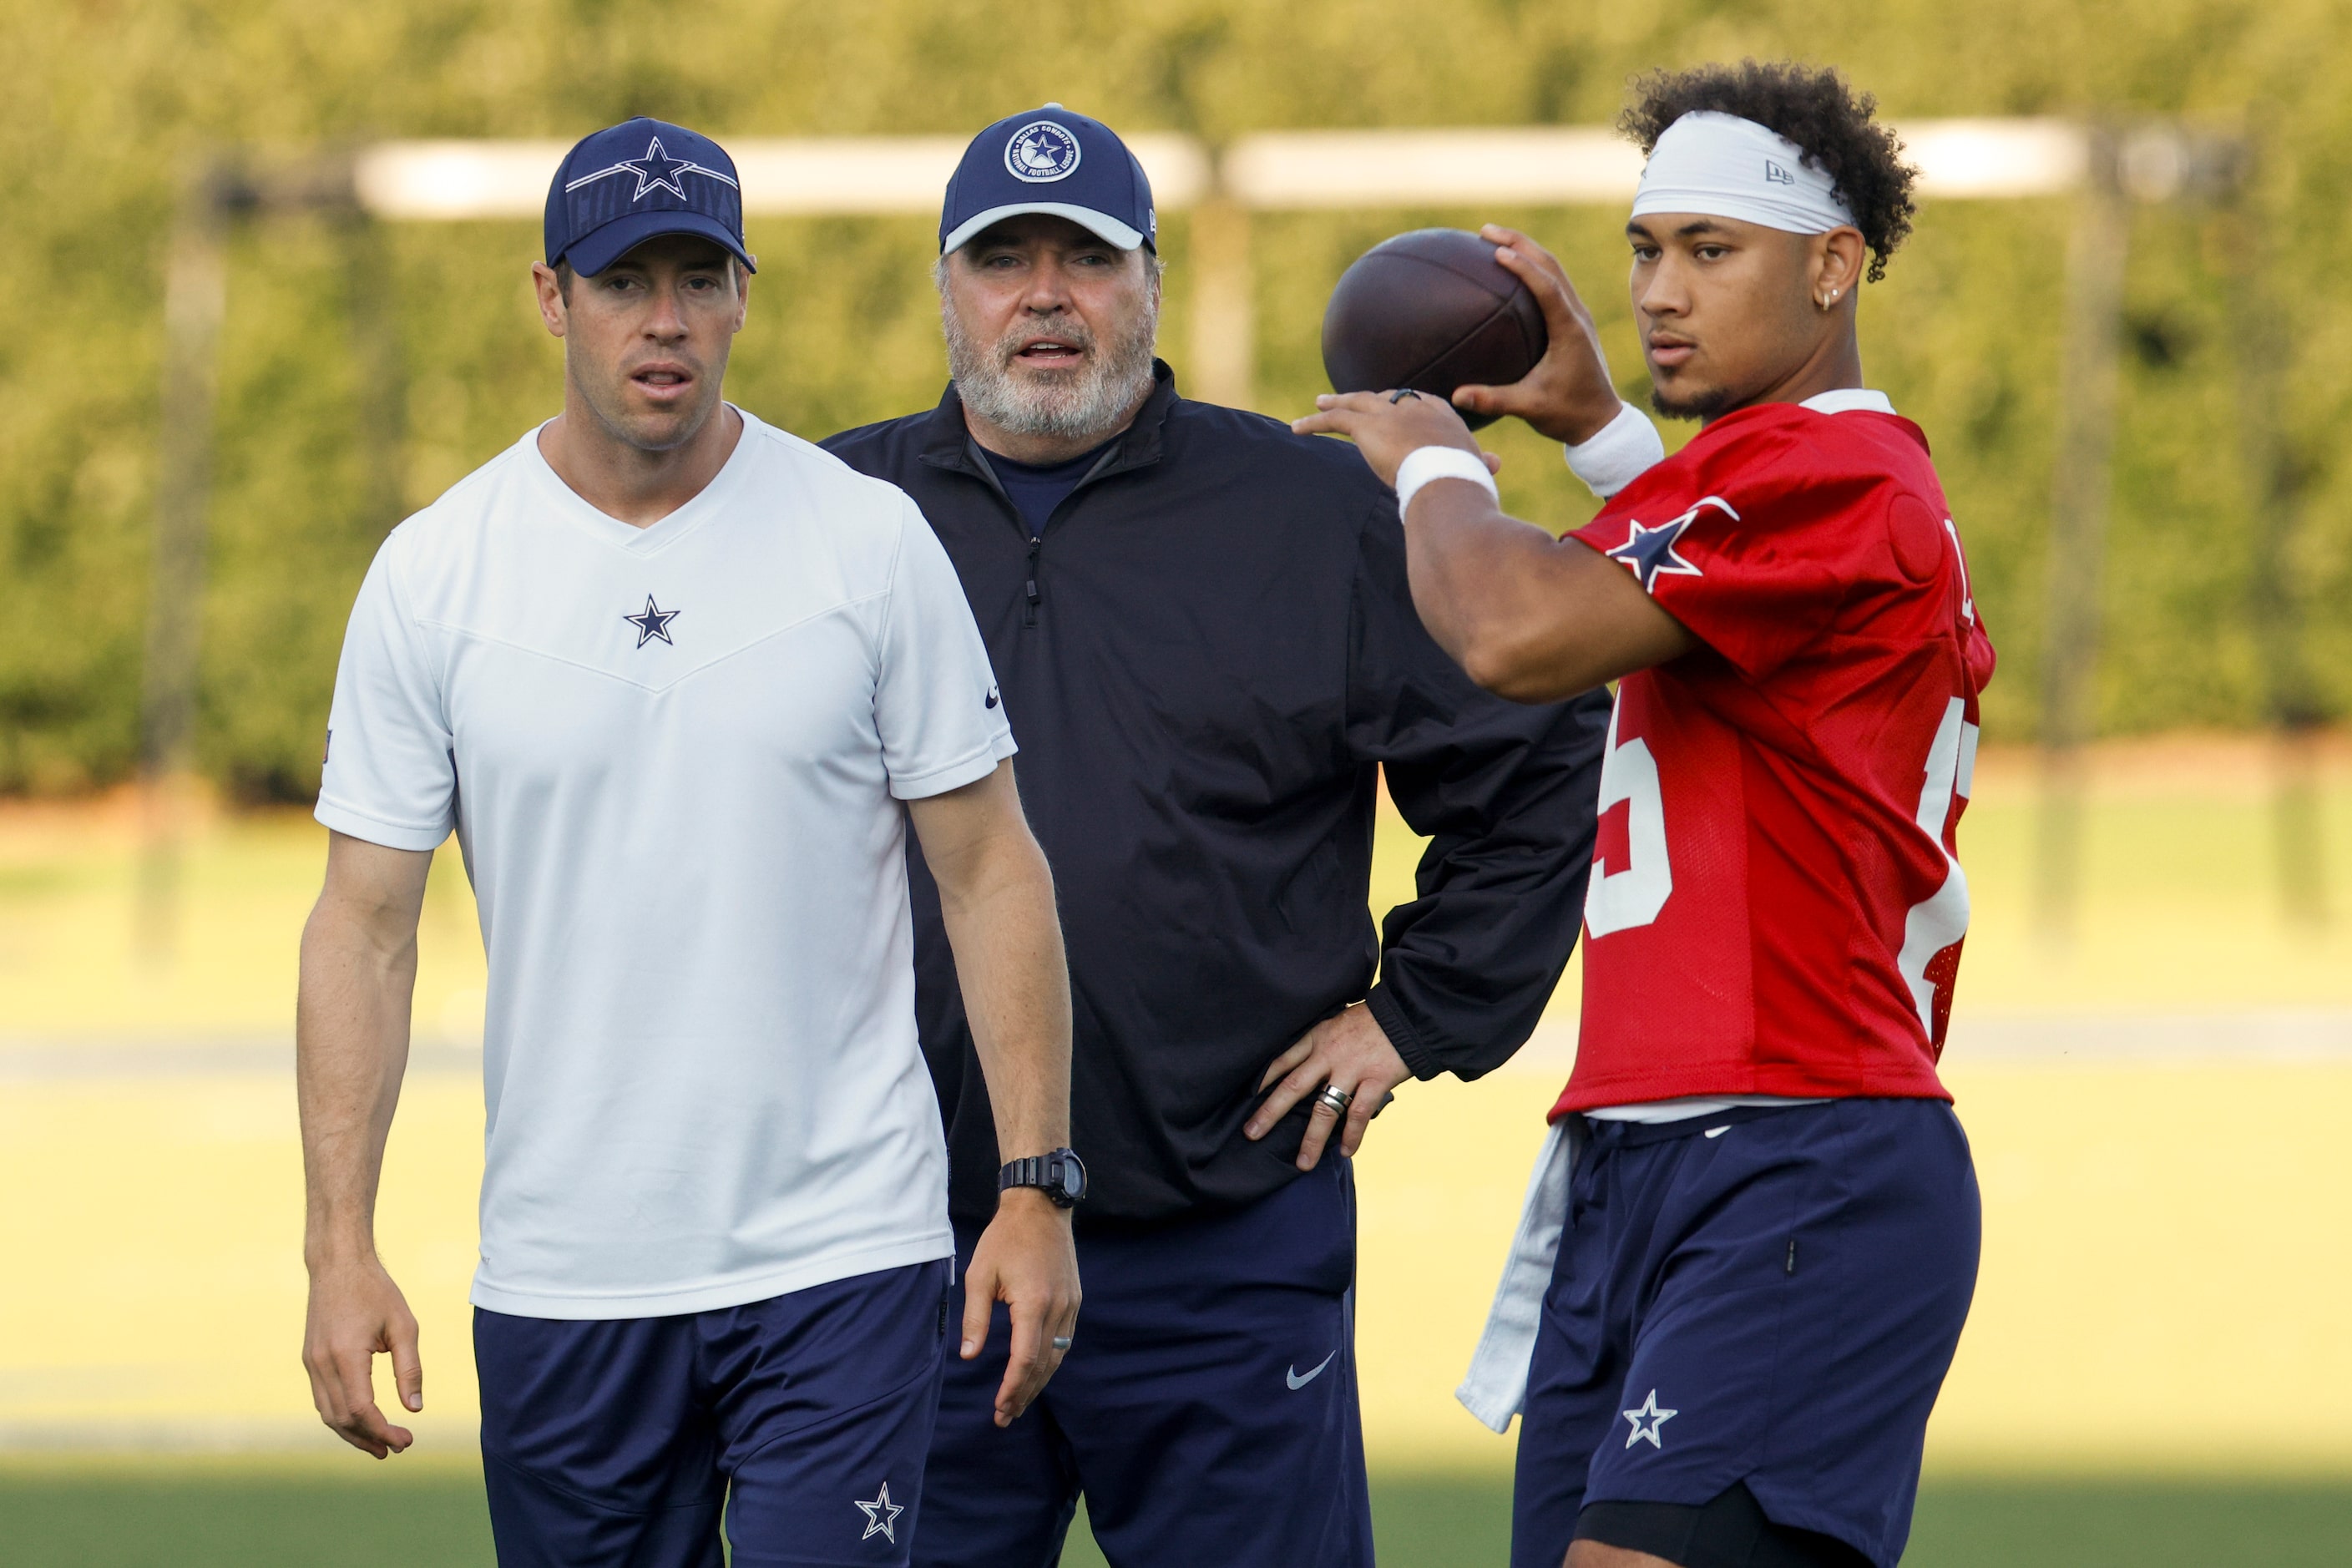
{"x":987,"y":476}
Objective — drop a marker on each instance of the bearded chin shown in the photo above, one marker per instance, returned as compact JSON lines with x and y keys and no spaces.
{"x":1092,"y":400}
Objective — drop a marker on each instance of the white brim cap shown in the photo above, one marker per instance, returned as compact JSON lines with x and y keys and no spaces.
{"x":1101,"y":225}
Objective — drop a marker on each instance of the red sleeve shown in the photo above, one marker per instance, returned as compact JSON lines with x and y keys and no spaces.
{"x":1752,"y":535}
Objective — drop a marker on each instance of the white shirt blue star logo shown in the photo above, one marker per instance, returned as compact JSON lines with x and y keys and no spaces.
{"x":654,"y":623}
{"x":882,"y":1517}
{"x":1646,"y":1422}
{"x":1649,"y":553}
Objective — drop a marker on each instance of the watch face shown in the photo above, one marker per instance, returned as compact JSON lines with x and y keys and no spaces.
{"x":1073,"y":1176}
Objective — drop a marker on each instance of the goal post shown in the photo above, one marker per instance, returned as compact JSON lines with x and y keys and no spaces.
{"x":2105,"y":170}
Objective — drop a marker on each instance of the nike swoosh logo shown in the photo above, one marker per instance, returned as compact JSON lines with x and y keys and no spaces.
{"x":992,"y":698}
{"x":1290,"y":1374}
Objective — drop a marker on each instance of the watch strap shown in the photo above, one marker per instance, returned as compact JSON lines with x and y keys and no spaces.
{"x":1048,"y":1171}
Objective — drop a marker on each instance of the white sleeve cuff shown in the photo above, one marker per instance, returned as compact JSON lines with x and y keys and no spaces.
{"x":1624,"y":448}
{"x":1423,"y":464}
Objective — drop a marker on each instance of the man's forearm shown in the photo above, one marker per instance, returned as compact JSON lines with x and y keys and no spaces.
{"x":1007,"y":940}
{"x":350,"y":1048}
{"x":1527,"y":616}
{"x":1467,"y":563}
{"x":997,"y":896}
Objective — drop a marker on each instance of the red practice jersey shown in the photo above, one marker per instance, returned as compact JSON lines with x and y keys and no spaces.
{"x":1775,"y":905}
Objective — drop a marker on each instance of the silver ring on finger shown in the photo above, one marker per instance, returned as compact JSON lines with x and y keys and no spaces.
{"x":1061,"y":1341}
{"x":1401,"y":393}
{"x":1335,"y":1098}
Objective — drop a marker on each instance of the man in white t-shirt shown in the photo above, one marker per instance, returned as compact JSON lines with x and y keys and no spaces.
{"x":678,"y":680}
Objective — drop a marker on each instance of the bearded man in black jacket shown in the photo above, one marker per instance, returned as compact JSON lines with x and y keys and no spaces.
{"x":1208,"y":650}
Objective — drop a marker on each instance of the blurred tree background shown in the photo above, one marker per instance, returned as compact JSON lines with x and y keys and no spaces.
{"x":1964,"y":334}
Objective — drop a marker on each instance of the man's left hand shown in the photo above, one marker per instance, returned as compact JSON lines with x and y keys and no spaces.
{"x":1026,"y":1259}
{"x":1350,"y":1050}
{"x":1387,"y":428}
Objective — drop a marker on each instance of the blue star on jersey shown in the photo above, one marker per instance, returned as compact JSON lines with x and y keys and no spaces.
{"x":1649,"y":553}
{"x":654,"y":623}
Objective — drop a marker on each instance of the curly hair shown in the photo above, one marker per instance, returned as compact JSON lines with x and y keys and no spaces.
{"x":1813,"y":108}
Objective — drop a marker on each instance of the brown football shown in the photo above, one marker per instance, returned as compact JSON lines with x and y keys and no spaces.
{"x":1431,"y":310}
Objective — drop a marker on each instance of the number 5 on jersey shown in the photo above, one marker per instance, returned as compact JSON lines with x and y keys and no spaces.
{"x":1623,"y":897}
{"x":1626,"y":896}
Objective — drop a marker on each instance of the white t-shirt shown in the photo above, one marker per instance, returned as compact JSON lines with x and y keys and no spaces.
{"x":674,"y":758}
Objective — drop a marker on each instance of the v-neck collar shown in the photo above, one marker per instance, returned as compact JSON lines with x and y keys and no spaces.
{"x":706,"y":502}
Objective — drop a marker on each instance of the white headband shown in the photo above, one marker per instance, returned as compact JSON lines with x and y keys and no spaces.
{"x":1725,"y":167}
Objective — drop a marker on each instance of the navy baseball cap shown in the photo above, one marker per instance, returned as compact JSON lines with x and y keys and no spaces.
{"x":637,"y":180}
{"x":1050,"y":161}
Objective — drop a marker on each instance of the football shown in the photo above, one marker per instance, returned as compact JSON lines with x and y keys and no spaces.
{"x":1431,"y":310}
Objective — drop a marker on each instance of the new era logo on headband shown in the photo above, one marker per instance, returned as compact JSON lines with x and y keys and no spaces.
{"x":656,"y":171}
{"x":1707,"y":162}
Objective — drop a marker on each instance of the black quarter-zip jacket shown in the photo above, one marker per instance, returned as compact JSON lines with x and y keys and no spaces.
{"x":1208,"y":655}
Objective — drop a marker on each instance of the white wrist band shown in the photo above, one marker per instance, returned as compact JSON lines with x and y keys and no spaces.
{"x":1423,"y":464}
{"x":1618,"y":454}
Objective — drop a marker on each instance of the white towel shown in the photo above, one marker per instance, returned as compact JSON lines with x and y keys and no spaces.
{"x":1496,"y":1386}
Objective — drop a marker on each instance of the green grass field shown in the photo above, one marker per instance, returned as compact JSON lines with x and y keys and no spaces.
{"x":2154,"y":1371}
{"x":251,"y":1516}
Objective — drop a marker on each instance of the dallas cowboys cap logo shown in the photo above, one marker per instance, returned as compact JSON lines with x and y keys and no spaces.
{"x":1041,"y":152}
{"x":637,"y":181}
{"x":1049,"y":160}
{"x":656,"y":171}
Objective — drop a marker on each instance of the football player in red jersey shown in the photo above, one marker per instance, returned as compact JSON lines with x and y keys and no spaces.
{"x":1749,"y":1249}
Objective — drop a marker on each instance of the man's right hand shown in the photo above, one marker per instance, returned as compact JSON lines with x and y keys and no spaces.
{"x":1568,"y":395}
{"x":356,"y":1314}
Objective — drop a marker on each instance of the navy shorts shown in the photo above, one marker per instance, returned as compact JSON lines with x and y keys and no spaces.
{"x":1767,"y":1295}
{"x":805,"y":1416}
{"x":1207,"y":1410}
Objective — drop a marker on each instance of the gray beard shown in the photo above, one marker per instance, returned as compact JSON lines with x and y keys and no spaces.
{"x":1090,"y":401}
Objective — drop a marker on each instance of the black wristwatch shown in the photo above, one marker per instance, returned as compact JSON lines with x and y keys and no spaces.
{"x":1060,"y":1176}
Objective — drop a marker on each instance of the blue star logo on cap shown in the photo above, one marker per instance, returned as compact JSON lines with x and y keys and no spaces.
{"x":1041,"y":152}
{"x":1049,"y":160}
{"x":656,"y":171}
{"x":1649,"y":553}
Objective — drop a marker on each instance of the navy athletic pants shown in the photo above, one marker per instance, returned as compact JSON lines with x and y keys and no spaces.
{"x":1207,"y":1410}
{"x":614,"y":1444}
{"x":1766,"y":1295}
